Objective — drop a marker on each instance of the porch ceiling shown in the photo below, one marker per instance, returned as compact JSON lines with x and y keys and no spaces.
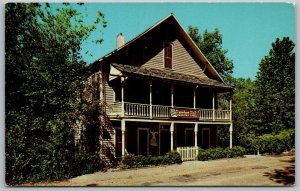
{"x":171,"y":76}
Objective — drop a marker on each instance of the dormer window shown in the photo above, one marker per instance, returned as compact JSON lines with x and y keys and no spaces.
{"x":168,"y":55}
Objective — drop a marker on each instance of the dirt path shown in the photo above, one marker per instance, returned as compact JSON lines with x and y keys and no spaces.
{"x":252,"y":170}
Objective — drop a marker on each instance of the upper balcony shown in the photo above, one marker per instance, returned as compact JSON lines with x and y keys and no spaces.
{"x":147,"y":111}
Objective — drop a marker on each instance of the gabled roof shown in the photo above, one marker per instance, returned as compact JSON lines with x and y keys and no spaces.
{"x":171,"y":18}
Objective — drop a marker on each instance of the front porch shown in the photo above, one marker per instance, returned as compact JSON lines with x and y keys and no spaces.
{"x":157,"y":137}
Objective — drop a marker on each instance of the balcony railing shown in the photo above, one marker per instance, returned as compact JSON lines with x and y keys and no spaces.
{"x":161,"y":111}
{"x":136,"y":109}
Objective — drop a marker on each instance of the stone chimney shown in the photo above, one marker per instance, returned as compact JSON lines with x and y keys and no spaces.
{"x":120,"y":40}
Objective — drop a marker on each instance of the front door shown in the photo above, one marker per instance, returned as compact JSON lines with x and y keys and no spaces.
{"x":165,"y":141}
{"x":189,"y":137}
{"x":205,"y":138}
{"x":143,"y":141}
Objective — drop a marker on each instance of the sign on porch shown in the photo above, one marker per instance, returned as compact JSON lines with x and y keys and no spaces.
{"x":184,"y":113}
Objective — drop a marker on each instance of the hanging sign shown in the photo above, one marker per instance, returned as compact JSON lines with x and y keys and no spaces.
{"x":184,"y":113}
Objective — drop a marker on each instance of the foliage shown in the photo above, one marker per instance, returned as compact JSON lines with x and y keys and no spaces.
{"x":276,"y":144}
{"x":210,"y":43}
{"x":243,"y":104}
{"x":218,"y":153}
{"x":275,"y":89}
{"x":44,"y":74}
{"x":265,"y":107}
{"x":172,"y":157}
{"x":132,"y":161}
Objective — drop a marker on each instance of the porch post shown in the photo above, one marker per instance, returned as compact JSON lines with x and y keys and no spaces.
{"x":196,"y":138}
{"x":230,"y":134}
{"x":195,"y":88}
{"x":123,"y":136}
{"x":172,"y":95}
{"x":122,"y":97}
{"x":172,"y":132}
{"x":150,"y":86}
{"x":213,"y":105}
{"x":230,"y":108}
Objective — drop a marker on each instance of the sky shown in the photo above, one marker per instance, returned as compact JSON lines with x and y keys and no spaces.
{"x":248,"y":29}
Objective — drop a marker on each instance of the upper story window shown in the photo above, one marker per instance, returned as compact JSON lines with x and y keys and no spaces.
{"x":168,"y":55}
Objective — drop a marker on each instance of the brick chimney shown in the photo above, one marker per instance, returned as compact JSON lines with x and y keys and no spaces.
{"x":120,"y":40}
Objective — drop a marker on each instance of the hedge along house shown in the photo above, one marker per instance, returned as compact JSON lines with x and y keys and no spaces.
{"x":161,"y":93}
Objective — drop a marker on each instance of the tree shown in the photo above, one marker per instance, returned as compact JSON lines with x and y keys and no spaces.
{"x":243,"y":103}
{"x":275,"y":104}
{"x":210,"y":43}
{"x":44,"y":75}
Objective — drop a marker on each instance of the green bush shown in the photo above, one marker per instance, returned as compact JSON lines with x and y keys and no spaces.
{"x":172,"y":157}
{"x":235,"y":151}
{"x":85,"y":163}
{"x":218,"y":153}
{"x":275,"y":144}
{"x":133,"y":161}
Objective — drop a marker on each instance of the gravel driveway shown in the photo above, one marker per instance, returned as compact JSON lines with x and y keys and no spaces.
{"x":248,"y":171}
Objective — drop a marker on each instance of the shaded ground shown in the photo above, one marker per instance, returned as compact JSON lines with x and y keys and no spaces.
{"x":285,"y":176}
{"x":249,"y":171}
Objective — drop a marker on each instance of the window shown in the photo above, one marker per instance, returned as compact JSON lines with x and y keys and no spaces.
{"x":168,"y":55}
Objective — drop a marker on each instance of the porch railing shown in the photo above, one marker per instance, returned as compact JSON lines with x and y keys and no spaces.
{"x":137,"y":109}
{"x":161,"y":111}
{"x":222,"y":114}
{"x":206,"y":114}
{"x":187,"y":153}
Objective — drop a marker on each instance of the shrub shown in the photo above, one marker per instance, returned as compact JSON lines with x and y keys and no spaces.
{"x":85,"y":163}
{"x":236,"y":151}
{"x":172,"y":157}
{"x":217,"y":153}
{"x":275,"y":144}
{"x":133,"y":161}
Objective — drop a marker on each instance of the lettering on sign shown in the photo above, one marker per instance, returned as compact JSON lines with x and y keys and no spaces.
{"x":184,"y":113}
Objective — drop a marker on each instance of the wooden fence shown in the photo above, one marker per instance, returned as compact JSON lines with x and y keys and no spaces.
{"x":188,"y":153}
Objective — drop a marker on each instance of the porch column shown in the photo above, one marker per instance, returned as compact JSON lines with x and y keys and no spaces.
{"x":122,"y":97}
{"x":172,"y":133}
{"x":196,"y":137}
{"x":123,"y":136}
{"x":195,"y":88}
{"x":230,"y":135}
{"x":172,"y":95}
{"x":150,"y":86}
{"x":213,"y":105}
{"x":230,"y":108}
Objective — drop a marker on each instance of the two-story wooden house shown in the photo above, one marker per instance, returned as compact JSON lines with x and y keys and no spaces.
{"x":161,"y":93}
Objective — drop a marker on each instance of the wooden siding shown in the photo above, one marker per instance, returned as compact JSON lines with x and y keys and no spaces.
{"x":183,"y":62}
{"x":156,"y":61}
{"x":109,"y":94}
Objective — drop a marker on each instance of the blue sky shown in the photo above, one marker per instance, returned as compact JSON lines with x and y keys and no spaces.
{"x":248,"y":29}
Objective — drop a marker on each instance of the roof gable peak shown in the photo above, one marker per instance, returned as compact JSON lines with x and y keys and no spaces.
{"x":172,"y":19}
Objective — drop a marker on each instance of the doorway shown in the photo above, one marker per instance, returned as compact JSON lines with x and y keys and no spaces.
{"x":164,"y":139}
{"x":189,"y":137}
{"x":205,"y":138}
{"x":143,"y":141}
